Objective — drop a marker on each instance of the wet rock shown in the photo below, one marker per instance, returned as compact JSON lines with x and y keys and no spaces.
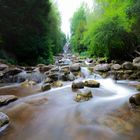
{"x":70,"y":77}
{"x":135,"y":99}
{"x":89,"y":60}
{"x":77,"y":85}
{"x":136,"y":60}
{"x":75,"y":67}
{"x":136,"y":63}
{"x":54,"y":76}
{"x":91,"y":83}
{"x":13,"y":72}
{"x":44,"y":69}
{"x":6,"y":99}
{"x":57,"y":84}
{"x":65,"y":69}
{"x":3,"y":67}
{"x":29,"y":69}
{"x":4,"y":119}
{"x":102,"y":67}
{"x":116,"y":67}
{"x":55,"y":69}
{"x":46,"y":87}
{"x":48,"y":80}
{"x":83,"y":95}
{"x":127,"y":66}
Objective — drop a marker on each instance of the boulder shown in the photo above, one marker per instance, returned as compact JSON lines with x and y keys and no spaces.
{"x":135,"y":99}
{"x":6,"y":99}
{"x":57,"y":84}
{"x":91,"y":83}
{"x":3,"y":67}
{"x":55,"y":69}
{"x":44,"y":69}
{"x":127,"y":66}
{"x":102,"y":67}
{"x":75,"y":67}
{"x":54,"y":76}
{"x":116,"y":67}
{"x":12,"y":72}
{"x":136,"y":60}
{"x":89,"y":60}
{"x":83,"y":95}
{"x":77,"y":85}
{"x":70,"y":77}
{"x":65,"y":69}
{"x":136,"y":63}
{"x":4,"y":119}
{"x":46,"y":87}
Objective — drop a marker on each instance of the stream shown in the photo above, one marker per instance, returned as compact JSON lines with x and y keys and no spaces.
{"x":54,"y":115}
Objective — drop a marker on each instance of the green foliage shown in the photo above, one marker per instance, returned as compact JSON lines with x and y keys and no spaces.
{"x":110,"y":29}
{"x":78,"y":23}
{"x":30,"y":29}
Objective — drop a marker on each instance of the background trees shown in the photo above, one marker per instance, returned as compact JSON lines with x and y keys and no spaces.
{"x":111,"y":29}
{"x":29,"y":30}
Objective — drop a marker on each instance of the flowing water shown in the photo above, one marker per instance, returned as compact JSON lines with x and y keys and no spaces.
{"x":54,"y":115}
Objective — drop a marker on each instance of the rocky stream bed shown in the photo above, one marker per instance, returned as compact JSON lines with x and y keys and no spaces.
{"x":74,"y":99}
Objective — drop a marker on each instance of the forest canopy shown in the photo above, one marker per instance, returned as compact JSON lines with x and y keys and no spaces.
{"x":30,"y":31}
{"x":111,"y":29}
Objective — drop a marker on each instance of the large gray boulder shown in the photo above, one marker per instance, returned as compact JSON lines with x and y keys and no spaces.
{"x":83,"y":95}
{"x":3,"y":67}
{"x":6,"y":99}
{"x":116,"y":67}
{"x":46,"y":87}
{"x":77,"y":85}
{"x":136,"y":60}
{"x":4,"y":119}
{"x":127,"y":66}
{"x":102,"y":67}
{"x":136,"y":63}
{"x":92,"y":84}
{"x":135,"y":99}
{"x":75,"y":67}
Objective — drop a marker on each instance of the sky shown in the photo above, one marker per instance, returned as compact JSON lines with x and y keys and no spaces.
{"x":67,"y":9}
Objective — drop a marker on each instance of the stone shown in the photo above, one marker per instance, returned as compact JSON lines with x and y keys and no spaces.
{"x":57,"y":84}
{"x":65,"y":69}
{"x":6,"y":99}
{"x":54,"y":76}
{"x":77,"y":85}
{"x":127,"y":66}
{"x":89,"y":60}
{"x":46,"y":87}
{"x":48,"y":80}
{"x":75,"y":67}
{"x":3,"y":67}
{"x":83,"y":95}
{"x":12,"y":72}
{"x":102,"y":67}
{"x":4,"y":119}
{"x":70,"y":77}
{"x":44,"y":69}
{"x":91,"y":83}
{"x":136,"y":60}
{"x":116,"y":67}
{"x":135,"y":99}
